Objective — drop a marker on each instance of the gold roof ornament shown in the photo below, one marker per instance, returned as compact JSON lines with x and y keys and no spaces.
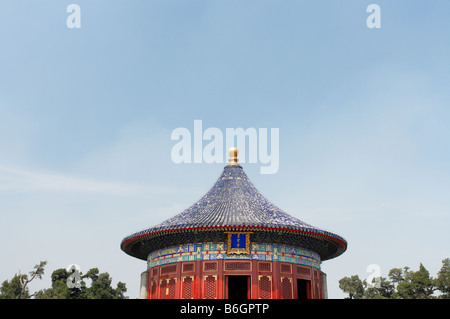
{"x":233,"y":153}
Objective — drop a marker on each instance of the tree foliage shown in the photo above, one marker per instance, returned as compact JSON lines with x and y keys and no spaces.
{"x":11,"y":289}
{"x":100,"y":287}
{"x":353,"y":286}
{"x":17,"y":288}
{"x":443,"y":279}
{"x":93,"y":285}
{"x":401,"y":284}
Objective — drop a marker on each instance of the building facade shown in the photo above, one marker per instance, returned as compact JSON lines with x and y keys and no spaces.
{"x":233,"y":244}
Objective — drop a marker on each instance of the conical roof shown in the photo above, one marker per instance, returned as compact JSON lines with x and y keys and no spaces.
{"x":233,"y":203}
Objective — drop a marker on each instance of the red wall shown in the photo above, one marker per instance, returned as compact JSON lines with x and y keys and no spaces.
{"x":207,"y":279}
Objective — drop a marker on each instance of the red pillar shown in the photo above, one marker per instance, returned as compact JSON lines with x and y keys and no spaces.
{"x":198,"y":293}
{"x":220,"y":280}
{"x":276,"y":280}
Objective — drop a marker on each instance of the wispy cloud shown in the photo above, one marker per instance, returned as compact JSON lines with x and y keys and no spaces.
{"x":16,"y":180}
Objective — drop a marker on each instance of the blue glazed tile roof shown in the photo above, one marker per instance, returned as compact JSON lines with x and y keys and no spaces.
{"x":234,"y":202}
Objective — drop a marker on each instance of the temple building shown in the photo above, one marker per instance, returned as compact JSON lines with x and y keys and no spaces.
{"x":233,"y":244}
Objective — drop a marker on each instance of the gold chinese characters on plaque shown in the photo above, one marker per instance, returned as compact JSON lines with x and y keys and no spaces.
{"x":238,"y":243}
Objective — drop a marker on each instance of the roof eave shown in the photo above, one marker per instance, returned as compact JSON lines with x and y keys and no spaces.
{"x":334,"y":239}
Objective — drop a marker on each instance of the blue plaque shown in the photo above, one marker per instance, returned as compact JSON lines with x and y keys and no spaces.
{"x":238,"y":240}
{"x":238,"y":243}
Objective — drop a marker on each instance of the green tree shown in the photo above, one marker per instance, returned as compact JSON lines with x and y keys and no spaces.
{"x":59,"y":288}
{"x":403,"y":283}
{"x":12,"y":290}
{"x":416,"y":284}
{"x":17,"y":288}
{"x":353,"y":286}
{"x":443,"y":279}
{"x":384,"y":289}
{"x":396,"y":275}
{"x":100,"y":287}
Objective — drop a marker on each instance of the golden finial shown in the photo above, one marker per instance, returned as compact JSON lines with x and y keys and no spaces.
{"x":233,"y":153}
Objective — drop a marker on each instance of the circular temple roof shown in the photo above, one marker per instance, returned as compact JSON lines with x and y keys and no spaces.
{"x":233,"y":204}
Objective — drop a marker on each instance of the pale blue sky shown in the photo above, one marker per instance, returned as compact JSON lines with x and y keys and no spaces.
{"x":86,"y":116}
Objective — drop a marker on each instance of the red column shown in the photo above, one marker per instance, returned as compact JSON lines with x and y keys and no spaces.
{"x":149,"y":281}
{"x":178,"y":292}
{"x":220,"y":280}
{"x":198,"y":280}
{"x":276,"y":280}
{"x":254,"y":293}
